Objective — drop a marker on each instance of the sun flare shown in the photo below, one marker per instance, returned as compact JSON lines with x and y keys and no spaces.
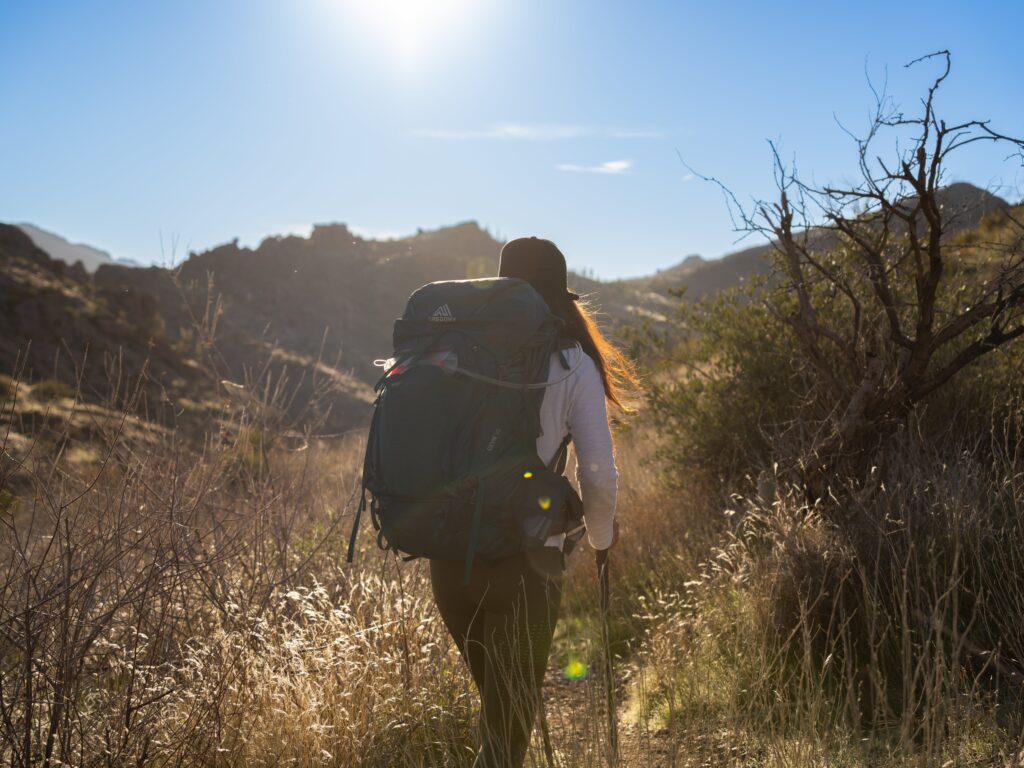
{"x":411,"y":31}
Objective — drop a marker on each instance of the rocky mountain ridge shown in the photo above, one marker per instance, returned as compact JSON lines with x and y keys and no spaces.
{"x":306,"y":315}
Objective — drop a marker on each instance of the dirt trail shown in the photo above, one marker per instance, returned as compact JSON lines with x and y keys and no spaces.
{"x":577,"y":722}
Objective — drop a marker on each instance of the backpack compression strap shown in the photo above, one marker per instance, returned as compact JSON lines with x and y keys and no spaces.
{"x":511,"y":384}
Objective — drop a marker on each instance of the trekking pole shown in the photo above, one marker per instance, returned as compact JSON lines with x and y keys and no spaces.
{"x":609,"y":678}
{"x":545,"y":732}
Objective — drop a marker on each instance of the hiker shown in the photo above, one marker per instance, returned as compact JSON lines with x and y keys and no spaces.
{"x":504,"y":617}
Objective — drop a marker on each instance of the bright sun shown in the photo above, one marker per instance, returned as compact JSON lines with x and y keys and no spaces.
{"x":411,"y":31}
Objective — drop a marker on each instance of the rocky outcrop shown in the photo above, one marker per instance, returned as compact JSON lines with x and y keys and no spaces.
{"x":55,"y":324}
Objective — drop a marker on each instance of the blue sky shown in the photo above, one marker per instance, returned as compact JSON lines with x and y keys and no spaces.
{"x":146,"y":128}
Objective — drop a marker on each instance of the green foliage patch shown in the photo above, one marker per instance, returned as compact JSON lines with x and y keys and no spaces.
{"x":738,"y":395}
{"x":721,"y":395}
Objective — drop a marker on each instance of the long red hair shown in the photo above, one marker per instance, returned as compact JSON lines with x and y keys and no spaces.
{"x":618,"y":373}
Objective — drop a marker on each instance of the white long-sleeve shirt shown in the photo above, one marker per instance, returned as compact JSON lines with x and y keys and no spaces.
{"x":576,"y":406}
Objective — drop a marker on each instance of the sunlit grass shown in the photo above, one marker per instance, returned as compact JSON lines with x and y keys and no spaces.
{"x":231,"y":631}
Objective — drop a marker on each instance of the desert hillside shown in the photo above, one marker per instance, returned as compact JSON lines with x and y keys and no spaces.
{"x":308,"y":315}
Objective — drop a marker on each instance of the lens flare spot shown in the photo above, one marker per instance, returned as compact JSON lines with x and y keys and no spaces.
{"x":575,"y":670}
{"x":527,"y":475}
{"x":544,"y":502}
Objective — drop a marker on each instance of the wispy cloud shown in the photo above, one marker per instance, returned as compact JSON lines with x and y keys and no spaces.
{"x":534,"y":132}
{"x":509,"y":131}
{"x":655,"y":134}
{"x":613,"y":167}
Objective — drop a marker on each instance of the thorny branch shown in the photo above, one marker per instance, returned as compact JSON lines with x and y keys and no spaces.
{"x":887,"y":244}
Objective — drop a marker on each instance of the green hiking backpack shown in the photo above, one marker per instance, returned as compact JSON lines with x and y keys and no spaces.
{"x":451,"y":458}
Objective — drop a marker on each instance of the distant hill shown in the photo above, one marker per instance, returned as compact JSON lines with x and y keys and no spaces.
{"x":57,"y":324}
{"x":332,"y":296}
{"x":307,"y":313}
{"x":701,"y":277}
{"x":58,"y":248}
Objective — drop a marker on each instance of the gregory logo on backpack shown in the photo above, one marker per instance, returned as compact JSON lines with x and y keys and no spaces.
{"x":442,"y":315}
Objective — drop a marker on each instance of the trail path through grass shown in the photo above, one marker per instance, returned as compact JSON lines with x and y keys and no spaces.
{"x":577,"y":720}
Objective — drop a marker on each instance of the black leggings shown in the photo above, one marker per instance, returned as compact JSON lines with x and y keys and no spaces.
{"x":503,"y":622}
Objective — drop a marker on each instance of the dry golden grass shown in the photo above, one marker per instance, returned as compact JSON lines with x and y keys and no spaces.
{"x":890,"y":639}
{"x":167,"y":605}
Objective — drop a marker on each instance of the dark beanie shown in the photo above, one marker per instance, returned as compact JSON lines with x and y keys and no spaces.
{"x":538,"y":262}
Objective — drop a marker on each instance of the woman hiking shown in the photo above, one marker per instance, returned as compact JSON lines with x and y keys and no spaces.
{"x":503,"y":618}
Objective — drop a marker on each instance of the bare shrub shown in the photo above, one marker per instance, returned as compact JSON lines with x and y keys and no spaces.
{"x":882,"y":297}
{"x":864,"y":605}
{"x":179,"y":600}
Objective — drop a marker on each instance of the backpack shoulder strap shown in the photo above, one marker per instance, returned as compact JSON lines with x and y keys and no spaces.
{"x":563,"y":344}
{"x":561,"y":457}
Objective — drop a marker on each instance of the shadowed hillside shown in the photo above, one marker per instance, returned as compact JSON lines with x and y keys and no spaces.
{"x":58,"y":324}
{"x":332,"y":295}
{"x":303,"y":316}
